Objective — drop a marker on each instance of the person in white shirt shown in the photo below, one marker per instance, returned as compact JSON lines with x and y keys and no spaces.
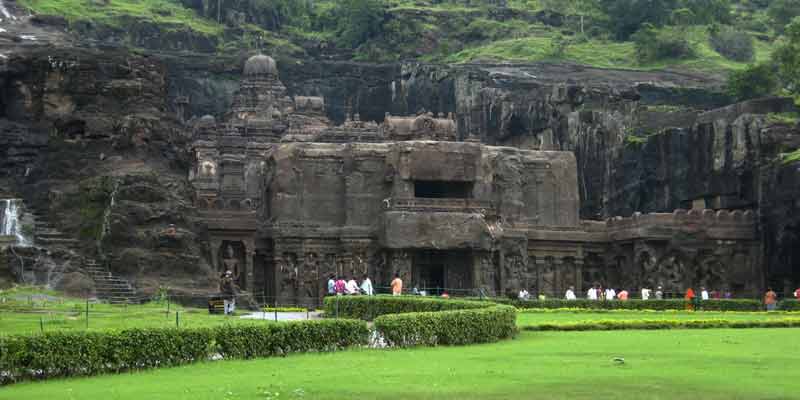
{"x":570,"y":295}
{"x":366,"y":286}
{"x":591,"y":294}
{"x":611,"y":294}
{"x":703,"y":293}
{"x":351,"y":287}
{"x":645,"y":293}
{"x":524,"y":295}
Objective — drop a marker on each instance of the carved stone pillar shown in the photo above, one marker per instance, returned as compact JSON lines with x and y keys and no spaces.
{"x":578,"y":275}
{"x":215,"y":248}
{"x":558,"y":268}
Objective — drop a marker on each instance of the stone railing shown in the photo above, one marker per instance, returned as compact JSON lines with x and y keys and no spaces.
{"x":441,"y":205}
{"x":721,"y":218}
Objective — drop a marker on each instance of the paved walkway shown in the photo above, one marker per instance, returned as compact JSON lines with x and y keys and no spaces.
{"x":283,"y":316}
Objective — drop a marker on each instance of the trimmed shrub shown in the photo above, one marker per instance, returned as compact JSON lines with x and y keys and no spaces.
{"x":412,"y":320}
{"x":607,"y":325}
{"x":658,"y":305}
{"x":732,"y":44}
{"x":61,"y":354}
{"x":457,"y":327}
{"x":369,"y":307}
{"x":789,"y":305}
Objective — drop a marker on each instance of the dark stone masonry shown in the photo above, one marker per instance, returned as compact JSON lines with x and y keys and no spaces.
{"x":288,"y":199}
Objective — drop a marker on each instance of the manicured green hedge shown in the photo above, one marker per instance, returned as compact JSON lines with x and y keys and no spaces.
{"x":789,"y":305}
{"x":369,"y":307}
{"x":607,"y":325}
{"x":60,"y":354}
{"x":667,"y":304}
{"x":457,"y":327}
{"x":414,"y":320}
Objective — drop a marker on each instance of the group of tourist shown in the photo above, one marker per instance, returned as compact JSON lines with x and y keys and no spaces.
{"x":338,"y":286}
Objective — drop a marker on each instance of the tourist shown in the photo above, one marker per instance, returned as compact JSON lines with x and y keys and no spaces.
{"x":622,"y":295}
{"x":340,"y":286}
{"x":366,"y":286}
{"x":228,"y":288}
{"x":645,"y":294}
{"x":797,"y":294}
{"x":659,"y":293}
{"x":591,"y":294}
{"x":524,"y":295}
{"x":331,"y":285}
{"x":704,"y":294}
{"x":715,"y":294}
{"x":352,"y":287}
{"x":611,"y":294}
{"x":542,"y":297}
{"x":397,"y":285}
{"x":445,"y":295}
{"x":770,"y":299}
{"x":689,"y":297}
{"x":728,"y":294}
{"x":570,"y":295}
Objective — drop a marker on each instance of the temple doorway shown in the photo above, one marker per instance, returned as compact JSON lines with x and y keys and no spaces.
{"x":437,"y":271}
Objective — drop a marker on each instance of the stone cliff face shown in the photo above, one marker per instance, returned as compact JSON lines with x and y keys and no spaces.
{"x":95,"y":141}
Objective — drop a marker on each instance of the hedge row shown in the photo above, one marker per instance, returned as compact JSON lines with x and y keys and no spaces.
{"x":370,"y":307}
{"x":609,"y":325}
{"x":457,"y":327}
{"x":412,"y":320}
{"x":61,"y":354}
{"x":789,"y":305}
{"x":667,"y":304}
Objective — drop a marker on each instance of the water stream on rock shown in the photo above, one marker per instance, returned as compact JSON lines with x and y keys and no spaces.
{"x":106,"y":228}
{"x":10,"y":224}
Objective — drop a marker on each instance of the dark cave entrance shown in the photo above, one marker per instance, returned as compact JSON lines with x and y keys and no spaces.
{"x":442,"y":190}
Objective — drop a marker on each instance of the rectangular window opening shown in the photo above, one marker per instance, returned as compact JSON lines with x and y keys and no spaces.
{"x":443,"y":190}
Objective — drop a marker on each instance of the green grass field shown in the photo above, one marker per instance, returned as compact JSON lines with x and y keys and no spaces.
{"x":533,"y":318}
{"x":19,"y":315}
{"x":708,"y":364}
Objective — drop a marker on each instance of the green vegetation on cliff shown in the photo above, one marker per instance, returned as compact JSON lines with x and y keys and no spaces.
{"x":701,"y":35}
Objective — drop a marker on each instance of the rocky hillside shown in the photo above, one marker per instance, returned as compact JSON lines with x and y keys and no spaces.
{"x":97,"y":100}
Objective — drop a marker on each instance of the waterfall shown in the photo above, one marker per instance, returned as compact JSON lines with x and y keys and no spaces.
{"x":106,"y":228}
{"x":10,"y":224}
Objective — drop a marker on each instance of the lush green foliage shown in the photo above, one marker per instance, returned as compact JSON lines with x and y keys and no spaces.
{"x":782,"y":12}
{"x":358,"y":20}
{"x":755,"y":81}
{"x":787,"y":57}
{"x":732,"y":44}
{"x":658,"y":365}
{"x":790,"y":305}
{"x":667,"y":304}
{"x":608,"y":325}
{"x":413,"y":320}
{"x":370,"y":307}
{"x":59,"y":354}
{"x":659,"y":44}
{"x":456,"y":327}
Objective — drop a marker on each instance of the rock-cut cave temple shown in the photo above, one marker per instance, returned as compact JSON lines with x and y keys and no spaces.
{"x":289,"y":199}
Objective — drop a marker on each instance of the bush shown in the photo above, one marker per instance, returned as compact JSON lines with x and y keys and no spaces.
{"x":412,"y":320}
{"x":789,"y":305}
{"x":654,"y":45}
{"x":658,"y":305}
{"x":608,"y":325}
{"x":369,"y":307}
{"x":752,"y":82}
{"x":732,"y":44}
{"x":61,"y":354}
{"x":457,"y":327}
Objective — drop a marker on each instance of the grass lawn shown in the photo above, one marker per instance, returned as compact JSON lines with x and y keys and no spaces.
{"x":18,"y":315}
{"x":533,"y":318}
{"x":707,"y":364}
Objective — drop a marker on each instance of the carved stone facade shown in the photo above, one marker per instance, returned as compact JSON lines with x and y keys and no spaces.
{"x":290,"y":200}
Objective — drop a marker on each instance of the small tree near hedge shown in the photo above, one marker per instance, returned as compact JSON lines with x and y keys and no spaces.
{"x":755,"y":81}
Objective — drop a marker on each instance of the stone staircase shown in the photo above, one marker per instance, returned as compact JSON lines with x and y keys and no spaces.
{"x":108,"y":286}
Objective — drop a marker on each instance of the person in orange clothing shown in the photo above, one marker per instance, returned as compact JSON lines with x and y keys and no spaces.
{"x":770,"y":299}
{"x":397,"y":285}
{"x":689,"y":299}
